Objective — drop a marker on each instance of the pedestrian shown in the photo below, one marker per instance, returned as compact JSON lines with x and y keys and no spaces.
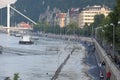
{"x":115,"y":59}
{"x":108,"y":75}
{"x":100,"y":64}
{"x":103,"y":63}
{"x":101,"y":76}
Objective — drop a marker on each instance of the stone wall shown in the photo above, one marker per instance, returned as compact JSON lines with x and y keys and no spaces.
{"x":109,"y":66}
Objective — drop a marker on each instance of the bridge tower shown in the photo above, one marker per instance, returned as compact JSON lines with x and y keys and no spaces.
{"x":8,"y":18}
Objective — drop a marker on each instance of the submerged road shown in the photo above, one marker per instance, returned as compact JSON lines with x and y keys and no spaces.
{"x":39,"y":61}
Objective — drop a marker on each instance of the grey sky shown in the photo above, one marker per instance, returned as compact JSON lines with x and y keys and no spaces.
{"x":3,"y":3}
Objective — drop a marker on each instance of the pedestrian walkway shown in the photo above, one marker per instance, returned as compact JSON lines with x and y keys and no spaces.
{"x":109,"y":65}
{"x":91,"y":60}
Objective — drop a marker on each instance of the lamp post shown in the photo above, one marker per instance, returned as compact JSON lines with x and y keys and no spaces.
{"x":92,"y":33}
{"x":96,"y":32}
{"x":103,"y":32}
{"x":118,"y":22}
{"x":113,"y":38}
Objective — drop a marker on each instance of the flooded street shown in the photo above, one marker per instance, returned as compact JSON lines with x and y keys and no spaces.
{"x":40,"y":60}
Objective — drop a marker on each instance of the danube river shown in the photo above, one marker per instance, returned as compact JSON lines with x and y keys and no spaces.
{"x":40,"y":60}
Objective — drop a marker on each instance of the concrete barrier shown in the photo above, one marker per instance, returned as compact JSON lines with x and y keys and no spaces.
{"x":109,"y":66}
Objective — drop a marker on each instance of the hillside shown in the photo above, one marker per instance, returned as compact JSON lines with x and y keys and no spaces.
{"x":33,"y":8}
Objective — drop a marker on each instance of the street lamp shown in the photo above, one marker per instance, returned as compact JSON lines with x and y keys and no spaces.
{"x":118,"y":22}
{"x":96,"y":31}
{"x":113,"y":38}
{"x":92,"y":33}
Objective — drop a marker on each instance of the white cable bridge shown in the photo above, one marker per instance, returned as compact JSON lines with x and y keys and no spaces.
{"x":8,"y":19}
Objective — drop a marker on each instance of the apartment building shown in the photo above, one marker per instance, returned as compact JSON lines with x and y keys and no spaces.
{"x":74,"y":15}
{"x":60,"y":19}
{"x":86,"y":15}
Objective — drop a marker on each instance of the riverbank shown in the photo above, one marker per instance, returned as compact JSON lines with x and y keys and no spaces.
{"x":91,"y":61}
{"x":36,"y":66}
{"x":91,"y":70}
{"x":110,"y":66}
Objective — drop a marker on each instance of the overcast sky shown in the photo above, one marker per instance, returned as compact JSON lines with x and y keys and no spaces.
{"x":3,"y":3}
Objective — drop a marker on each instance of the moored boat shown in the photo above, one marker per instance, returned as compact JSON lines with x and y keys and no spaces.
{"x":26,"y":39}
{"x":35,"y":38}
{"x":17,"y":35}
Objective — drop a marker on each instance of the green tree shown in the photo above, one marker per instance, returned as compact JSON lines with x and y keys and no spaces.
{"x":98,"y":20}
{"x":87,"y":30}
{"x":16,"y":76}
{"x":115,"y":15}
{"x":72,"y":28}
{"x":41,"y":26}
{"x":115,"y":18}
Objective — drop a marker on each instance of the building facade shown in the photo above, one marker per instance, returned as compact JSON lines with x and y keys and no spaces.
{"x":86,"y":15}
{"x":74,"y":15}
{"x":60,"y":19}
{"x":67,"y":19}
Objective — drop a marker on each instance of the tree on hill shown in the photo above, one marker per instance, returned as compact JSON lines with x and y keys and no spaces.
{"x":33,"y":8}
{"x":115,"y":18}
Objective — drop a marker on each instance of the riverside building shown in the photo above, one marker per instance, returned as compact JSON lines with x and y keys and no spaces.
{"x":60,"y":19}
{"x":86,"y":15}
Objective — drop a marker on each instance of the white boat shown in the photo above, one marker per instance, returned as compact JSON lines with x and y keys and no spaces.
{"x":35,"y":38}
{"x":18,"y":35}
{"x":26,"y":39}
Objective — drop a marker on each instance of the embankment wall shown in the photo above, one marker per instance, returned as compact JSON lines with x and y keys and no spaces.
{"x":109,"y":66}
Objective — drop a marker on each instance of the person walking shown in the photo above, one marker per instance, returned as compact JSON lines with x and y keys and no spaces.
{"x":108,"y":75}
{"x":101,"y":76}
